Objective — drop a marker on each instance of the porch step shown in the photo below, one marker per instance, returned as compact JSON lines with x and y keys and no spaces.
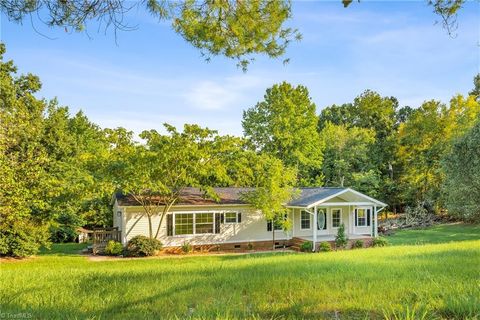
{"x":297,"y":243}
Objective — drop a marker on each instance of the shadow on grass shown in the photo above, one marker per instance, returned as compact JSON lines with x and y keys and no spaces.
{"x":267,"y":289}
{"x":63,"y":249}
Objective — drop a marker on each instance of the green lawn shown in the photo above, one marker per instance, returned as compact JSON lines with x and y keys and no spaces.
{"x":438,"y":234}
{"x":439,"y":279}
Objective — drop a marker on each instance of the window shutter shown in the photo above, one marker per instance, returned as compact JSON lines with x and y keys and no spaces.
{"x":218,"y":218}
{"x":239,"y":217}
{"x":222,"y":218}
{"x":368,"y":217}
{"x":325,"y":224}
{"x":269,"y":225}
{"x":169,"y":224}
{"x":356,"y":224}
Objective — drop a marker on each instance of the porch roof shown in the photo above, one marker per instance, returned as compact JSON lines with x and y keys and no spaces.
{"x":310,"y":197}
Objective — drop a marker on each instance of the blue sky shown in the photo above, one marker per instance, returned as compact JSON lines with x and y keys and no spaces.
{"x":151,"y":75}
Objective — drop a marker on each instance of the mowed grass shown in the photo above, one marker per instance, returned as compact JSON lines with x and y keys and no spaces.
{"x":442,"y":233}
{"x":439,"y":280}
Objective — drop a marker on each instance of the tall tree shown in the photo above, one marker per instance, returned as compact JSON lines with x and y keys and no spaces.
{"x":346,"y":158}
{"x":155,"y":173}
{"x":426,"y":138}
{"x":284,"y":125}
{"x":273,"y":187}
{"x":462,"y":176}
{"x":476,"y":87}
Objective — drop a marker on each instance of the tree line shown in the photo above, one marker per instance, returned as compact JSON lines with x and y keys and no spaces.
{"x":59,"y":171}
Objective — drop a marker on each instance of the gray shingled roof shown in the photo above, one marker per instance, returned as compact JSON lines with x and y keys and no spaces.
{"x":194,"y":196}
{"x":311,"y":195}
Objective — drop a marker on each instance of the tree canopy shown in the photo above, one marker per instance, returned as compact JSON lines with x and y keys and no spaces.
{"x":284,"y":125}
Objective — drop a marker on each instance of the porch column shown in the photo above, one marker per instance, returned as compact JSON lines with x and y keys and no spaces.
{"x":375,"y":222}
{"x":314,"y":228}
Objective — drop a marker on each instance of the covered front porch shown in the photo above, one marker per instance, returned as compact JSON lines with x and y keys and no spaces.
{"x":318,"y":217}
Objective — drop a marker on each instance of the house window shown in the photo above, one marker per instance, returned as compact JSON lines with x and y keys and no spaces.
{"x":203,"y":223}
{"x":231,"y":217}
{"x":194,"y":223}
{"x":361,"y":217}
{"x":336,"y":218}
{"x":304,"y":220}
{"x":183,"y":223}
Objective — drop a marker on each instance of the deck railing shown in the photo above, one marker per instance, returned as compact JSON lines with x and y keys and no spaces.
{"x":102,"y":236}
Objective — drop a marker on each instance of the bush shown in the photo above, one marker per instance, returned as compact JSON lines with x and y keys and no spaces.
{"x":250,"y":246}
{"x":113,"y":248}
{"x":187,"y":247}
{"x":141,"y":246}
{"x":341,"y":239}
{"x":357,"y":244}
{"x":379,"y":242}
{"x":306,"y":246}
{"x":324,"y":247}
{"x":65,"y":228}
{"x":22,"y":238}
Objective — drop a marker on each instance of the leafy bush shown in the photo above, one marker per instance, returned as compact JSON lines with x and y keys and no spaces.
{"x":324,"y":247}
{"x":114,"y":248}
{"x":250,"y":246}
{"x":379,"y":242}
{"x":187,"y":247}
{"x":22,"y":238}
{"x":141,"y":246}
{"x":357,"y":244}
{"x":341,"y":239}
{"x":306,"y":246}
{"x":65,"y":227}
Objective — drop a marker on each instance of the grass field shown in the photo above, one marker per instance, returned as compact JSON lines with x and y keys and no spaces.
{"x":439,"y":280}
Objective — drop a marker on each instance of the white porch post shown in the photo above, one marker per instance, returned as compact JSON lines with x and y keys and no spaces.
{"x":375,"y":222}
{"x":314,"y":228}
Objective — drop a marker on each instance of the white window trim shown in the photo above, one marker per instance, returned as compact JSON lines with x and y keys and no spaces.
{"x":309,"y":219}
{"x":225,"y":217}
{"x":366,"y":216}
{"x":331,"y":217}
{"x":194,"y":234}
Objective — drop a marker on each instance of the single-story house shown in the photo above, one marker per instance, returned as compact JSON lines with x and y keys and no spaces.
{"x":230,"y":223}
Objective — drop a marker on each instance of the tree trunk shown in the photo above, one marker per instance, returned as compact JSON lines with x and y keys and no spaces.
{"x":150,"y":229}
{"x":273,"y":235}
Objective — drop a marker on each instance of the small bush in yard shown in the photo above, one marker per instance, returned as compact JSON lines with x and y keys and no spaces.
{"x":141,"y":246}
{"x":113,"y":248}
{"x":324,"y":247}
{"x":306,"y":246}
{"x":379,"y":242}
{"x":357,"y":244}
{"x":341,"y":239}
{"x":187,"y":247}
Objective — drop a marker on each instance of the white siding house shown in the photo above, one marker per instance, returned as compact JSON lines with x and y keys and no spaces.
{"x":201,"y":221}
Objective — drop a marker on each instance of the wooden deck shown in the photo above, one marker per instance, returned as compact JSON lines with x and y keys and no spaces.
{"x":101,"y":237}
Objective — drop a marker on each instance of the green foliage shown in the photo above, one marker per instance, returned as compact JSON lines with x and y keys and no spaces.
{"x":324,"y":247}
{"x":425,"y":139}
{"x":379,"y":242}
{"x":357,"y":244}
{"x":141,"y":246}
{"x":113,"y":248}
{"x":341,"y":239}
{"x":462,"y":176}
{"x":346,"y":153}
{"x":307,"y":246}
{"x":22,"y":238}
{"x":187,"y":247}
{"x":284,"y":126}
{"x":234,"y":29}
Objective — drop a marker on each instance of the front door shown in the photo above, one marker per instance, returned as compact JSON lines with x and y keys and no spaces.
{"x":322,"y":220}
